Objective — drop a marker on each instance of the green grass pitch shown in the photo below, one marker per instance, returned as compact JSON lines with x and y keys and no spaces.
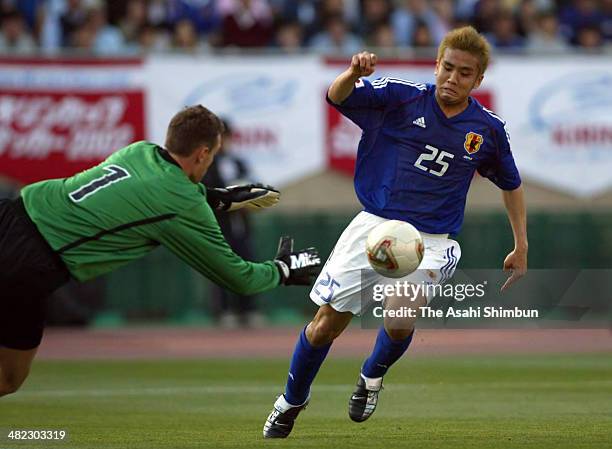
{"x":446,"y":402}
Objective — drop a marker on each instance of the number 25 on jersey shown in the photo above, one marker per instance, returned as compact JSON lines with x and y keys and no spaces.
{"x":438,"y":156}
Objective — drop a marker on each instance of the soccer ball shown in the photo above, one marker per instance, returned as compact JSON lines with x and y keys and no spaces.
{"x":394,"y":248}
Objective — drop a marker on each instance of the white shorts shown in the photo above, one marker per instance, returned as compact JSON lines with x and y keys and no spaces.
{"x":347,"y":272}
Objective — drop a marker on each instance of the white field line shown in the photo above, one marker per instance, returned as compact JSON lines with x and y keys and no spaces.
{"x":331,"y":388}
{"x":161,"y":391}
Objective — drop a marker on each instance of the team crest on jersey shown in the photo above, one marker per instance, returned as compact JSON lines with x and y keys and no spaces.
{"x":472,"y":142}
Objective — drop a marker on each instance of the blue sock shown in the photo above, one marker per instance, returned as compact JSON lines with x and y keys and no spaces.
{"x":386,"y":352}
{"x":305,"y":364}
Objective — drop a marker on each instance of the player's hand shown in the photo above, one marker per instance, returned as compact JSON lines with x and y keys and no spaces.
{"x":516,"y":264}
{"x":363,"y":64}
{"x":249,"y":196}
{"x":296,"y":267}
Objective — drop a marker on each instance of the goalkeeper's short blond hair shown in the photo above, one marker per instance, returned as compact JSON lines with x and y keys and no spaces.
{"x":469,"y":40}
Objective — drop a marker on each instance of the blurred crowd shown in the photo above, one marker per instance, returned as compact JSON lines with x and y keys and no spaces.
{"x":115,"y":27}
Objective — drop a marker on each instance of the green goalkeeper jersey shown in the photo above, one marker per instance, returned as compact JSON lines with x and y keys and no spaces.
{"x":119,"y":210}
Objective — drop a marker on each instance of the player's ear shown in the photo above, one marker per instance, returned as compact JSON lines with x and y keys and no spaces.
{"x":478,"y":81}
{"x":202,"y":153}
{"x":436,"y":68}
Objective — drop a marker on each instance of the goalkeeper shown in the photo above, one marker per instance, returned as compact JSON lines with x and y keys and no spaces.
{"x":90,"y":224}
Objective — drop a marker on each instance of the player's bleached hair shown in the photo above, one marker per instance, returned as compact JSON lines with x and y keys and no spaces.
{"x":469,"y":40}
{"x":191,"y":128}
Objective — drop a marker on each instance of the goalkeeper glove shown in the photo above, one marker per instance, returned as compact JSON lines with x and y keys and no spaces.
{"x":296,"y":267}
{"x":250,"y":196}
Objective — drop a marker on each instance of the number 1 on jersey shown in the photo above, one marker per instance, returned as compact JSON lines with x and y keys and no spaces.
{"x":430,"y":157}
{"x":115,"y":174}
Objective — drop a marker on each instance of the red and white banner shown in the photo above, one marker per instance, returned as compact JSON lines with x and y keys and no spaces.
{"x":51,"y":128}
{"x":60,"y":116}
{"x":48,"y":134}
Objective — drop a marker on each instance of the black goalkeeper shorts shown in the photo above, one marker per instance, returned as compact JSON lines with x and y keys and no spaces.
{"x":29,"y":272}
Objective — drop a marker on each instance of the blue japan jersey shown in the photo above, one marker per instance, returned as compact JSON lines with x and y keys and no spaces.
{"x":415,"y":164}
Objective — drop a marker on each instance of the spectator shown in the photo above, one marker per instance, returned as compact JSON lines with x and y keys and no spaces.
{"x":483,"y":18}
{"x":464,"y":10}
{"x":250,"y":23}
{"x":72,"y":19}
{"x":145,"y":24}
{"x":82,"y":39}
{"x":589,"y":37}
{"x":348,"y":10}
{"x":382,"y":37}
{"x":151,"y":39}
{"x":15,"y":37}
{"x":606,"y":20}
{"x":336,"y":38}
{"x":526,"y":18}
{"x":204,"y":14}
{"x":185,"y":37}
{"x":504,"y":35}
{"x":300,"y":11}
{"x":546,"y":37}
{"x":108,"y":39}
{"x":445,"y":10}
{"x":578,"y":15}
{"x":157,"y":14}
{"x":246,"y":23}
{"x":373,"y":14}
{"x":406,"y":18}
{"x":422,"y":36}
{"x":32,"y":12}
{"x":289,"y":36}
{"x":132,"y":24}
{"x":460,"y":23}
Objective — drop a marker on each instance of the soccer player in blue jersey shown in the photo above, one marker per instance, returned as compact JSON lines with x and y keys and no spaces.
{"x":420,"y":147}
